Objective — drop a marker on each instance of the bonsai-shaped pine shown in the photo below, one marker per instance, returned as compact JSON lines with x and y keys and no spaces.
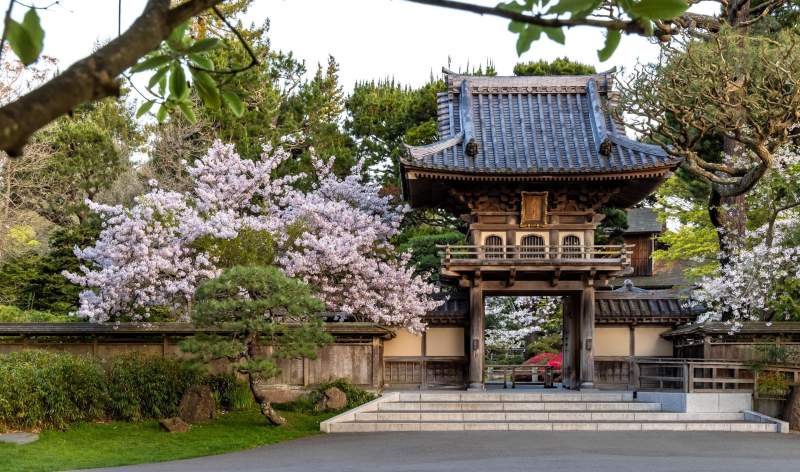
{"x":254,"y":316}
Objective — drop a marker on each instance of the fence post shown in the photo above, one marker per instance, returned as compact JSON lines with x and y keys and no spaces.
{"x":687,"y":380}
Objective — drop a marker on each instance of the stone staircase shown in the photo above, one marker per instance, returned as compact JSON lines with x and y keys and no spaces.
{"x":526,"y":411}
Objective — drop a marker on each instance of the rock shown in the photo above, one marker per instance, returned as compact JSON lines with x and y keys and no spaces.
{"x":197,"y":404}
{"x":174,"y":425}
{"x":793,"y":408}
{"x":332,"y":399}
{"x":273,"y":394}
{"x":18,"y":438}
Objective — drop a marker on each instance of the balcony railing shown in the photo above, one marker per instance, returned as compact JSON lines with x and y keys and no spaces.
{"x":535,"y":255}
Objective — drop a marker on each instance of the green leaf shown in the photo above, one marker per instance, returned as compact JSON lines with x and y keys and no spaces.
{"x":146,"y":106}
{"x":27,"y":38}
{"x":527,"y":37}
{"x":188,"y":112}
{"x":151,"y":62}
{"x":162,"y":113}
{"x":156,"y":78}
{"x":556,"y":34}
{"x":234,"y":103}
{"x":207,"y":88}
{"x":34,"y":28}
{"x":612,"y":41}
{"x":658,"y":9}
{"x":177,"y":39}
{"x":572,"y":6}
{"x":206,"y":44}
{"x":177,"y":82}
{"x":202,"y":61}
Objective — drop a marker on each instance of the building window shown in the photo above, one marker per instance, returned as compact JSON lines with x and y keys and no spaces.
{"x":532,"y":247}
{"x":571,"y":247}
{"x":494,"y":247}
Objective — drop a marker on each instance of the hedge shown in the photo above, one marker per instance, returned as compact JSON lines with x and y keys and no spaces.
{"x":51,"y":390}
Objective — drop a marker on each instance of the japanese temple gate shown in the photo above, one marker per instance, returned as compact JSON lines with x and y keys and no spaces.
{"x":529,"y":162}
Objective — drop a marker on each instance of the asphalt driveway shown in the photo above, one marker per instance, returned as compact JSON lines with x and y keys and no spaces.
{"x":508,"y":451}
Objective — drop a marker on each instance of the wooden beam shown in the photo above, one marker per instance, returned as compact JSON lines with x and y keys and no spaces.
{"x":512,"y":275}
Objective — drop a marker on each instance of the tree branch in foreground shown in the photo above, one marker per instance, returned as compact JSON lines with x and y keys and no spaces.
{"x":95,"y":76}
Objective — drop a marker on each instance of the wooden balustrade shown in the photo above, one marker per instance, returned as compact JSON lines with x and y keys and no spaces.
{"x":547,"y":254}
{"x":522,"y":374}
{"x":697,"y":375}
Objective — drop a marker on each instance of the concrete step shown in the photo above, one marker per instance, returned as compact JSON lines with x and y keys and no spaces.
{"x":545,"y":416}
{"x":527,"y":406}
{"x":732,"y":426}
{"x":514,"y":396}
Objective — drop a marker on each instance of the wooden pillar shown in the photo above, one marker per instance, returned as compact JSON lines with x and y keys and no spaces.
{"x":377,"y":364}
{"x":571,"y":338}
{"x":476,"y":341}
{"x":587,"y":336}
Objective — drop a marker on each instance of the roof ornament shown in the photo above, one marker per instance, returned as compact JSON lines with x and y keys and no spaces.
{"x":471,"y":147}
{"x":602,"y":136}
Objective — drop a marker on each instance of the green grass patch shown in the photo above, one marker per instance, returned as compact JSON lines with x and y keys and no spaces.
{"x":119,"y":443}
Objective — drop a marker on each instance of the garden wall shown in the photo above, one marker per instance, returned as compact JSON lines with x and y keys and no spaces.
{"x":355,"y":354}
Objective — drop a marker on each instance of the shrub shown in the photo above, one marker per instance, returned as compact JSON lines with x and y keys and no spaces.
{"x":47,"y":389}
{"x":149,"y":387}
{"x":772,"y":384}
{"x":307,"y":403}
{"x":230,"y":393}
{"x":12,"y":314}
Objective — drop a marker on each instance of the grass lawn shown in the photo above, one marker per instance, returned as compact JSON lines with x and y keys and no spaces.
{"x":118,"y":443}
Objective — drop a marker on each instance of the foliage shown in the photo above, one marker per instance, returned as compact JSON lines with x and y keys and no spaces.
{"x":384,"y":115}
{"x":355,"y":396}
{"x":307,"y":403}
{"x":257,"y":306}
{"x":550,"y":342}
{"x":424,"y":253}
{"x":558,"y":66}
{"x":119,"y":443}
{"x":645,"y":15}
{"x":12,"y":314}
{"x":33,"y":281}
{"x":142,"y":387}
{"x":45,"y":389}
{"x":698,"y":92}
{"x":772,"y":384}
{"x":230,"y":394}
{"x":613,"y":226}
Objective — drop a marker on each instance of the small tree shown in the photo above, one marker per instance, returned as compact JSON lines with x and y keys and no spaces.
{"x":255,"y":316}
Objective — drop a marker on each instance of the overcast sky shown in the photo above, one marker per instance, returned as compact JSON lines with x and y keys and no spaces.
{"x":371,"y":39}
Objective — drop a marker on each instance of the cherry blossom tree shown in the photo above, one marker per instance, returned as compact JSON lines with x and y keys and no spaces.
{"x":334,"y":236}
{"x":512,"y":321}
{"x":762,"y":281}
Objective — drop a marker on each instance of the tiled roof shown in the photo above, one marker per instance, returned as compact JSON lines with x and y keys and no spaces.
{"x":747,"y":328}
{"x":643,"y":220}
{"x":631,"y":304}
{"x":548,"y":125}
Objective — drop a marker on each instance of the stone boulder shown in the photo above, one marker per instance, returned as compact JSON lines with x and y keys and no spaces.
{"x":792,"y":413}
{"x":197,"y":404}
{"x":174,"y":425}
{"x":332,"y":399}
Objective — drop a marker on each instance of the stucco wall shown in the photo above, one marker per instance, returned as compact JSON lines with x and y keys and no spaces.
{"x":612,"y":341}
{"x":649,"y":342}
{"x":447,"y":342}
{"x":403,"y":344}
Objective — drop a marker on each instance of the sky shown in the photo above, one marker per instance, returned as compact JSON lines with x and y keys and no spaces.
{"x":371,"y":39}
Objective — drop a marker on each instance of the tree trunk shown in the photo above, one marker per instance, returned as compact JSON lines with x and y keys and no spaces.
{"x":729,"y":214}
{"x":266,"y":408}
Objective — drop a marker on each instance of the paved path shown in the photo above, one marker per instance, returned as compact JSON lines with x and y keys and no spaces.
{"x":509,"y":451}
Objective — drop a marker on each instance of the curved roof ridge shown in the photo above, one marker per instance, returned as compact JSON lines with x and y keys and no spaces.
{"x":425,"y":150}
